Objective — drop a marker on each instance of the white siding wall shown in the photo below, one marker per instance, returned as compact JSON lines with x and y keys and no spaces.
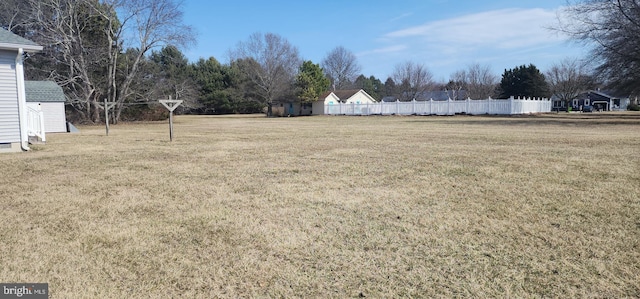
{"x":9,"y":115}
{"x":360,"y":98}
{"x":331,"y":99}
{"x":55,"y":120}
{"x":318,"y":106}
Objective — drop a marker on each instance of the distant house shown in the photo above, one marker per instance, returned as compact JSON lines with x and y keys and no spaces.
{"x":602,"y":100}
{"x":599,"y":100}
{"x":355,"y":96}
{"x":558,"y":104}
{"x":15,"y":120}
{"x":48,"y":97}
{"x":291,"y":108}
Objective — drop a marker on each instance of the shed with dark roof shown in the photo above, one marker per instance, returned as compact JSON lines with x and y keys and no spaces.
{"x":49,"y":98}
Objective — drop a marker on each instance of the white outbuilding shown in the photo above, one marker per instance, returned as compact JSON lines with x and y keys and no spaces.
{"x":48,"y":97}
{"x":355,"y":96}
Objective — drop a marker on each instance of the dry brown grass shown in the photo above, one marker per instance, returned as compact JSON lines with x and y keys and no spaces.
{"x":539,"y":206}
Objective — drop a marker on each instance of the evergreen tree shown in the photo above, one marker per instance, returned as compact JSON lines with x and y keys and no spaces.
{"x":310,"y":82}
{"x":390,"y":88}
{"x":524,"y":81}
{"x":370,"y":85}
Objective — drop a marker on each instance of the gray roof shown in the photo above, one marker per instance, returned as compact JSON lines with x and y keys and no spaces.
{"x":342,"y":95}
{"x":43,"y":91}
{"x":9,"y":40}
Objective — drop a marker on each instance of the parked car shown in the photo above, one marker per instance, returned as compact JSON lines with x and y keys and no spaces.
{"x":587,"y":109}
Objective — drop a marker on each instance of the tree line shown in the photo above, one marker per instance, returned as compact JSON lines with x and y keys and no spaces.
{"x":129,"y":52}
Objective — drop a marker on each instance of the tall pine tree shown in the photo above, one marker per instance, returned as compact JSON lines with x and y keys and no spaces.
{"x":524,"y":81}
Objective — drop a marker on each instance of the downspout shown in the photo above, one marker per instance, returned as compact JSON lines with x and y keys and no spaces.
{"x":24,"y":139}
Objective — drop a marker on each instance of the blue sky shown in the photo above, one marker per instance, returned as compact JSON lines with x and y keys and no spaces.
{"x":444,"y":35}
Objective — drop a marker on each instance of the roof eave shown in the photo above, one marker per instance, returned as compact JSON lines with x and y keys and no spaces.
{"x":26,"y":48}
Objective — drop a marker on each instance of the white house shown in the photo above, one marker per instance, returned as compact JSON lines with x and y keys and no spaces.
{"x":48,"y":97}
{"x":356,"y":96}
{"x":13,"y":107}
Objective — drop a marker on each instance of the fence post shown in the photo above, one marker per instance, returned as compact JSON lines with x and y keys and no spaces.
{"x":397,"y":107}
{"x":489,"y":104}
{"x":424,"y":111}
{"x":413,"y":106}
{"x":511,"y":99}
{"x":468,"y":106}
{"x":41,"y":119}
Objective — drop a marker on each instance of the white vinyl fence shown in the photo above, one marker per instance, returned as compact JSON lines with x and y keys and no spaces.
{"x":35,"y":122}
{"x":450,"y":107}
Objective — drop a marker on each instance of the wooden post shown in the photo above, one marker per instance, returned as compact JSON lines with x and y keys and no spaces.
{"x":107,"y":106}
{"x":171,"y":105}
{"x":106,"y":116}
{"x":170,"y":125}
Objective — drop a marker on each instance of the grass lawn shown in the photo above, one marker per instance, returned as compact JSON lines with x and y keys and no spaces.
{"x":380,"y":207}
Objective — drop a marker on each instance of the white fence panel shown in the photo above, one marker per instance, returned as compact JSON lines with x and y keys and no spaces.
{"x":500,"y":107}
{"x":388,"y":108}
{"x":479,"y":106}
{"x":35,"y":122}
{"x":450,"y":107}
{"x":405,"y":108}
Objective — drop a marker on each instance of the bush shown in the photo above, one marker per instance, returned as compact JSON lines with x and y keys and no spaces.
{"x":633,"y":107}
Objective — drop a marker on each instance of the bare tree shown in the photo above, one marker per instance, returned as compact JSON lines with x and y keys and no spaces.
{"x":413,"y":79}
{"x":272,"y":63}
{"x":341,"y":66}
{"x":477,"y":81}
{"x":611,"y":28}
{"x":457,"y":83}
{"x":567,"y":79}
{"x":481,"y":82}
{"x":14,"y":14}
{"x":63,"y":27}
{"x":84,"y":39}
{"x":152,"y":24}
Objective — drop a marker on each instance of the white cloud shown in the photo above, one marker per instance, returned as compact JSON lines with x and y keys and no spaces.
{"x":505,"y":29}
{"x":401,"y":17}
{"x":384,"y":50}
{"x":500,"y":38}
